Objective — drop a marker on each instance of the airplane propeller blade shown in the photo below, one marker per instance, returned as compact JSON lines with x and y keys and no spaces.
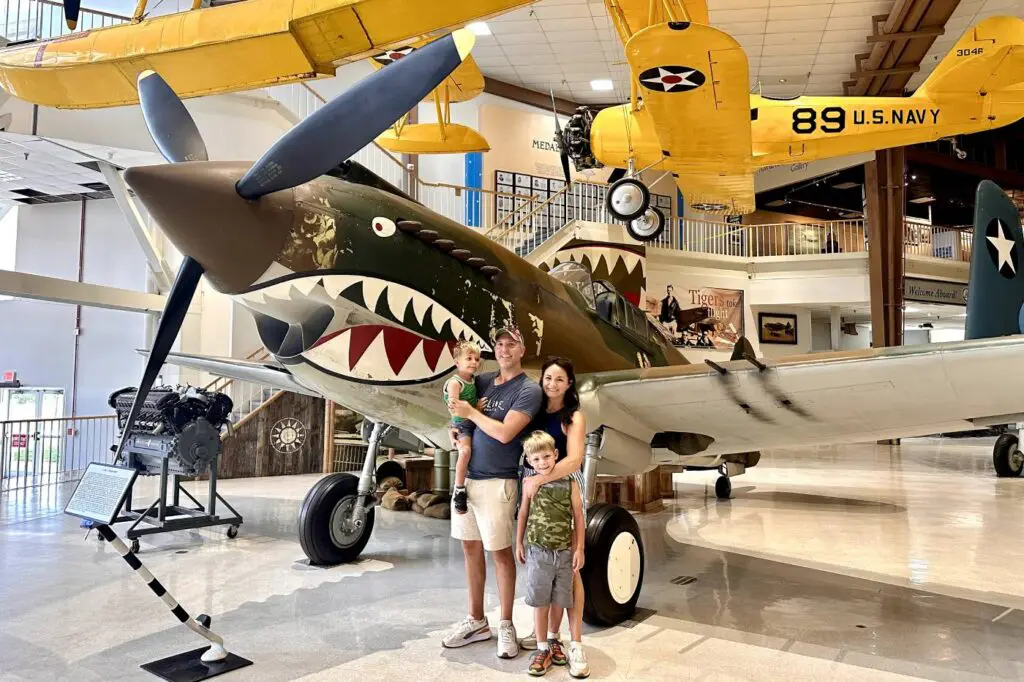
{"x":170,"y":125}
{"x":353,"y":119}
{"x":178,"y":300}
{"x":71,"y":8}
{"x":561,"y":143}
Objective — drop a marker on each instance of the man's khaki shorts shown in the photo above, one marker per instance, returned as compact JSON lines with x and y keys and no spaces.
{"x":491,"y":516}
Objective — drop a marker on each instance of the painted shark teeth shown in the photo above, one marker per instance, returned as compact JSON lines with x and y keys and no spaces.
{"x":397,"y":298}
{"x":382,"y":354}
{"x":611,"y":257}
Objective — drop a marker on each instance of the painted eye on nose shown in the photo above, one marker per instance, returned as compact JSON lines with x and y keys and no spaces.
{"x":382,"y":227}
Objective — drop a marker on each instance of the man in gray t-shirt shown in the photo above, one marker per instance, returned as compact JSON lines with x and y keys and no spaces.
{"x":492,"y":488}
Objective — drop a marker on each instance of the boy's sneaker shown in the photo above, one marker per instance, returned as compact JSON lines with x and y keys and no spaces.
{"x":540,"y":663}
{"x":467,"y":632}
{"x":557,"y":653}
{"x":578,"y":666}
{"x":508,"y":645}
{"x":460,"y":499}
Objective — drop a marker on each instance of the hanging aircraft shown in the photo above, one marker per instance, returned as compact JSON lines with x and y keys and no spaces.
{"x":690,"y":113}
{"x":320,"y":253}
{"x":443,"y":136}
{"x":229,"y":48}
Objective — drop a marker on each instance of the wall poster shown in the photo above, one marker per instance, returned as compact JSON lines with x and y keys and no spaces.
{"x":706,"y":318}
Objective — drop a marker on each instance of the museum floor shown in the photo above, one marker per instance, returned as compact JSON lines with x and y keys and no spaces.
{"x":846,"y":563}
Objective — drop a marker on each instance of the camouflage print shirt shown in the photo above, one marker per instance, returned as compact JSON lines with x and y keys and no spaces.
{"x":550,"y":522}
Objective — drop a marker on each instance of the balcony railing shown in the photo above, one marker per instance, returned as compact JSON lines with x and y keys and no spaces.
{"x":24,"y":20}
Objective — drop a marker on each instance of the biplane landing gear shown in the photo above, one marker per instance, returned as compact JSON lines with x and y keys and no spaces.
{"x":336,"y":518}
{"x":1007,"y":458}
{"x":613,"y":572}
{"x":647,"y":227}
{"x":628,"y":199}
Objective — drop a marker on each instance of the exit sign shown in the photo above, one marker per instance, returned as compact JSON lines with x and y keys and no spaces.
{"x":9,"y":379}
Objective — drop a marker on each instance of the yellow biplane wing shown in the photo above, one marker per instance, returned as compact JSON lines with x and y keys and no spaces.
{"x":692,"y":84}
{"x":442,"y":137}
{"x":632,"y":16}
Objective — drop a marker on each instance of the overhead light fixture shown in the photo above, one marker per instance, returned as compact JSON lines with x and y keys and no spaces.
{"x":479,"y":28}
{"x":782,"y":80}
{"x":601,"y":84}
{"x":922,"y":200}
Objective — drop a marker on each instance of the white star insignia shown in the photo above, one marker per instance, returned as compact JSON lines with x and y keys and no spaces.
{"x":1004,"y":246}
{"x":660,"y":79}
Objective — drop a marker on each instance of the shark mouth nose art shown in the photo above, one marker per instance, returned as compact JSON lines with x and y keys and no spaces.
{"x":379,"y":332}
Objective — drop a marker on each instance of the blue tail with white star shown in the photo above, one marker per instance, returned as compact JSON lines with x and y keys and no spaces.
{"x":995,"y":292}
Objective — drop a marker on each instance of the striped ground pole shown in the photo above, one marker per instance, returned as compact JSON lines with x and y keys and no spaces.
{"x":216,"y":652}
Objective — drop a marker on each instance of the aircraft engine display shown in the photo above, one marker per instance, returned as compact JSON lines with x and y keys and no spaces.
{"x":181,"y":425}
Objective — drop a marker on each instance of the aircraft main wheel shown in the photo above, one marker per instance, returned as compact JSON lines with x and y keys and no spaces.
{"x":647,"y":227}
{"x":1007,"y":457}
{"x":326,"y":531}
{"x":614,"y":569}
{"x":627,"y":199}
{"x":723,"y":488}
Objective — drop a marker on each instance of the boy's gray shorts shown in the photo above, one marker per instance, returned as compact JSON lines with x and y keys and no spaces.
{"x":548,"y":577}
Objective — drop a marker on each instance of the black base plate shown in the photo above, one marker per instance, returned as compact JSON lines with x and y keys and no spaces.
{"x":187,"y":667}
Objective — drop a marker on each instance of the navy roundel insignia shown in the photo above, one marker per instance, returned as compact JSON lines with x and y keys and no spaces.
{"x":386,"y":58}
{"x":1002,"y":248}
{"x":671,"y":79}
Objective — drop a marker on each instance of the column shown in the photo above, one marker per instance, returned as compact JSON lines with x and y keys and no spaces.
{"x":884,"y":197}
{"x":836,"y":323}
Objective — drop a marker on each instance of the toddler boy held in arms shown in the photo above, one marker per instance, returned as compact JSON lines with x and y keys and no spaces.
{"x":462,"y":386}
{"x":550,"y":541}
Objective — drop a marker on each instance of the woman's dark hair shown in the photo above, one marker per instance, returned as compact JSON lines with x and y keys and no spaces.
{"x":572,"y":397}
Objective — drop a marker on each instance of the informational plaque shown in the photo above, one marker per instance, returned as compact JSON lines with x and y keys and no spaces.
{"x":100,"y":493}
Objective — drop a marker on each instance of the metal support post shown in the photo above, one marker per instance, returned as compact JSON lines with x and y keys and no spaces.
{"x":591,"y":456}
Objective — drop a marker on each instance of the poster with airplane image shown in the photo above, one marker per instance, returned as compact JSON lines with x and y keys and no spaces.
{"x":703,"y":317}
{"x":777,"y":328}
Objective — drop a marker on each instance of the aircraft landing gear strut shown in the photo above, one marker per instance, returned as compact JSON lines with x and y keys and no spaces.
{"x":723,"y":485}
{"x":614,"y":569}
{"x":1007,"y":458}
{"x":337,"y":515}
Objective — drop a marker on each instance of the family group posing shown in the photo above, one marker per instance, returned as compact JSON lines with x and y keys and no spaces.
{"x":519,"y":495}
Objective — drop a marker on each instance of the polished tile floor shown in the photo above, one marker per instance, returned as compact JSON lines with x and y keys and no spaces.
{"x":839,"y":563}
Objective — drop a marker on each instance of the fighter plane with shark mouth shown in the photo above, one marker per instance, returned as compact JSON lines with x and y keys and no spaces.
{"x":360,"y":292}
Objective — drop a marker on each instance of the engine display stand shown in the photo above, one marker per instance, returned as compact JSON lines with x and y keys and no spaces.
{"x":164,"y":516}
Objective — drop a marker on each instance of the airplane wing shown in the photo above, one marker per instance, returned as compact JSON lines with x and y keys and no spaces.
{"x":463,"y":84}
{"x":255,"y":372}
{"x":712,"y":192}
{"x":630,"y":16}
{"x":858,"y":396}
{"x":692,"y":80}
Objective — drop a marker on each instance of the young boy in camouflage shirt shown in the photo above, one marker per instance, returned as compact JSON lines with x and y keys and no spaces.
{"x":550,"y":541}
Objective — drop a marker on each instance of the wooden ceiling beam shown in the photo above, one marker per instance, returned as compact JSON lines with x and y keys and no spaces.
{"x":907,"y":35}
{"x":895,"y":71}
{"x":520,"y":94}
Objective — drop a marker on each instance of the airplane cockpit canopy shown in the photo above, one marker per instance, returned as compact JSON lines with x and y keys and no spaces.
{"x":578,"y":277}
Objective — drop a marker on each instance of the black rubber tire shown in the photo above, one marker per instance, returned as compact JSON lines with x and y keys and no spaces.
{"x":627,"y":181}
{"x":135,"y":546}
{"x":723,"y":488}
{"x":315,"y":520}
{"x":232,"y":532}
{"x":1002,"y":456}
{"x":654,"y":235}
{"x":390,"y":469}
{"x":605,"y":523}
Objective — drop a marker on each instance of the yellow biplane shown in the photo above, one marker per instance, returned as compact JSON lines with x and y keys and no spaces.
{"x":228,"y":48}
{"x":690,"y":112}
{"x":442,"y":137}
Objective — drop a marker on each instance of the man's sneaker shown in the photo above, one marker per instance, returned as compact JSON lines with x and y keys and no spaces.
{"x":529,"y":642}
{"x":557,"y":654}
{"x":578,"y":661}
{"x":467,"y":632}
{"x":540,"y":663}
{"x":460,"y":498}
{"x":508,"y":645}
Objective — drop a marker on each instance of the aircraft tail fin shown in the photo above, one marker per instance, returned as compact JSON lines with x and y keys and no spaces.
{"x":995,"y":291}
{"x":989,"y":57}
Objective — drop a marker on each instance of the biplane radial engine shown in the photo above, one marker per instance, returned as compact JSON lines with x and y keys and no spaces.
{"x":690,"y":113}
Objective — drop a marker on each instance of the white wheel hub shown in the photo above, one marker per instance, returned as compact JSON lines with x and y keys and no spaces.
{"x":627,"y":199}
{"x":647,"y":224}
{"x":623,"y":567}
